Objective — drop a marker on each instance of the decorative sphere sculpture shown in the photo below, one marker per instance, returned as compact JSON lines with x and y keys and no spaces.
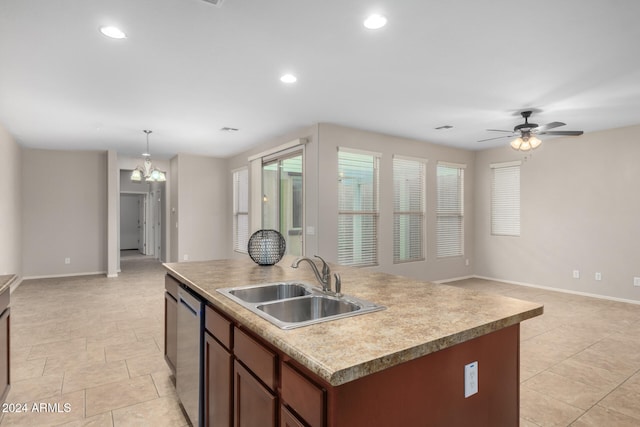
{"x":266,"y":247}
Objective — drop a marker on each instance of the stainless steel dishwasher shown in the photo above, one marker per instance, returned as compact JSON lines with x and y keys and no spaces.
{"x":189,"y":366}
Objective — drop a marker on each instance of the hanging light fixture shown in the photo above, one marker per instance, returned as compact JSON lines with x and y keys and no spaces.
{"x":526,"y":142}
{"x":147,"y":171}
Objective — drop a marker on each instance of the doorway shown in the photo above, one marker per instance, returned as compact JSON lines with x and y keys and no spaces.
{"x":142,"y":222}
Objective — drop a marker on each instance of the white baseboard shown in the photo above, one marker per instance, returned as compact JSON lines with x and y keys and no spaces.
{"x":454,"y":279}
{"x":53,"y":276}
{"x":564,"y":291}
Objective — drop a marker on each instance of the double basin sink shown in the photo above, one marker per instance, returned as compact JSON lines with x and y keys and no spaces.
{"x":291,"y":305}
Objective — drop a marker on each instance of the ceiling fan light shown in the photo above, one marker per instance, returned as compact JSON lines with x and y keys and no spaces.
{"x":516,"y":143}
{"x":526,"y":146}
{"x":535,"y":142}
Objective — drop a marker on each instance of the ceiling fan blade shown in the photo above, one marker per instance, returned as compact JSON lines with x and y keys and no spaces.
{"x":499,"y":130}
{"x":563,"y":132}
{"x":497,"y":137}
{"x":548,"y":126}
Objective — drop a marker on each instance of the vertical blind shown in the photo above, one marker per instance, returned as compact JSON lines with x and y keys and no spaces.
{"x":408,"y":209}
{"x":357,"y":208}
{"x":450,"y":210}
{"x":505,"y":199}
{"x":240,"y":209}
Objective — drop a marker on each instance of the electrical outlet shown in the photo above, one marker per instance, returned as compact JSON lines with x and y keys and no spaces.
{"x":636,"y":281}
{"x":470,"y":379}
{"x":576,"y":274}
{"x":67,"y":260}
{"x":598,"y":276}
{"x":185,"y":257}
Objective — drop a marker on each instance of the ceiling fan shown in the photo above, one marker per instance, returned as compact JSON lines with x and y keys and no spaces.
{"x":526,"y":133}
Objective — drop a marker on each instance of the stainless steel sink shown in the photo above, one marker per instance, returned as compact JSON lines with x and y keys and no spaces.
{"x":291,"y":305}
{"x":270,"y":292}
{"x":310,"y":308}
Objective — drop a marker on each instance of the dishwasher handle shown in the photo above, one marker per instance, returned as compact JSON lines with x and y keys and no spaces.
{"x":188,"y":306}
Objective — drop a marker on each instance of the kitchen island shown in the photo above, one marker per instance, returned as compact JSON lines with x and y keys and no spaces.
{"x":400,"y":366}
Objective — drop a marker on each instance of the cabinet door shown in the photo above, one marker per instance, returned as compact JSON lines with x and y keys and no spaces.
{"x":218,"y":368}
{"x":170,"y":331}
{"x":287,"y":419}
{"x":254,"y":405}
{"x":5,"y":380}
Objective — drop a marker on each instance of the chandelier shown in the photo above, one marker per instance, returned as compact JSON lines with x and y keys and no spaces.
{"x":147,"y":171}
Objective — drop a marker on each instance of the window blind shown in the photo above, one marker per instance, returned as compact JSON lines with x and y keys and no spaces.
{"x":357,"y":208}
{"x":408,"y":209}
{"x":450,"y":210}
{"x":505,"y":199}
{"x":240,"y":210}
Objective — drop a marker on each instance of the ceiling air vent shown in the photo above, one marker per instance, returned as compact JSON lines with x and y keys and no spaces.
{"x":216,"y":3}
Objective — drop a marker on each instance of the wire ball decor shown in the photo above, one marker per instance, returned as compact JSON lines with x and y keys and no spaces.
{"x":266,"y":247}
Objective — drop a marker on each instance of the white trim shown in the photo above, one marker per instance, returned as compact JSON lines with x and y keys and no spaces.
{"x":14,"y":285}
{"x":282,"y":147}
{"x":505,"y":164}
{"x":415,"y":159}
{"x":565,"y":291}
{"x":453,"y":279}
{"x":452,"y":165}
{"x":52,"y":276}
{"x":240,"y":169}
{"x":357,"y":151}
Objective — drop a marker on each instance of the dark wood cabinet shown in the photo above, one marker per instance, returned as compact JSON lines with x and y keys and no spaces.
{"x":5,"y":348}
{"x":218,"y":386}
{"x":171,"y":322}
{"x":254,"y":404}
{"x":287,"y":419}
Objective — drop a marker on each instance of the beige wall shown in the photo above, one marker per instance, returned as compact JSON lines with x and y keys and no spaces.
{"x":64,"y":209}
{"x":200,"y":187}
{"x":11,"y":205}
{"x":580,"y":207}
{"x":321,"y":197}
{"x":331,"y":137}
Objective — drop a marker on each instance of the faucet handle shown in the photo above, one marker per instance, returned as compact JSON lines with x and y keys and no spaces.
{"x":338,"y":283}
{"x":326,"y":272}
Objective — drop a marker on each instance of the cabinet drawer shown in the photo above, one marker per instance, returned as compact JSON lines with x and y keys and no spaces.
{"x":218,"y":326}
{"x":256,"y":357}
{"x":171,"y":286}
{"x":303,"y":396}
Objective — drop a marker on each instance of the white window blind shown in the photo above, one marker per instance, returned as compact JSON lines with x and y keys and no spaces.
{"x":357,"y":208}
{"x":408,"y":209}
{"x":505,"y":199}
{"x":240,"y":210}
{"x":450,"y":211}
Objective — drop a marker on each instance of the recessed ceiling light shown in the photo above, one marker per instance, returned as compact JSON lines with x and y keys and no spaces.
{"x":375,"y":22}
{"x":288,"y":78}
{"x":113,"y":32}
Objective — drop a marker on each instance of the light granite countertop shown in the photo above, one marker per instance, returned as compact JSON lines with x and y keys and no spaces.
{"x":421,"y":317}
{"x":5,"y":281}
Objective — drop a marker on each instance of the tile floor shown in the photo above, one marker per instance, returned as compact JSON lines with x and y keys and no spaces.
{"x":96,"y":344}
{"x":579,"y":361}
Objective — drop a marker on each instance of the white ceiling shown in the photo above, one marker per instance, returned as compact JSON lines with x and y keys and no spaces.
{"x":188,"y":68}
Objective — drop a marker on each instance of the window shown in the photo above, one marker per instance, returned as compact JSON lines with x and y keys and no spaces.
{"x":450,"y":211}
{"x":408,"y":209}
{"x":505,"y":199}
{"x":240,"y":210}
{"x":357,"y":207}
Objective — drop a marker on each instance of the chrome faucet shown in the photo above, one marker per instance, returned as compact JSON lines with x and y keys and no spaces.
{"x":325,"y":277}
